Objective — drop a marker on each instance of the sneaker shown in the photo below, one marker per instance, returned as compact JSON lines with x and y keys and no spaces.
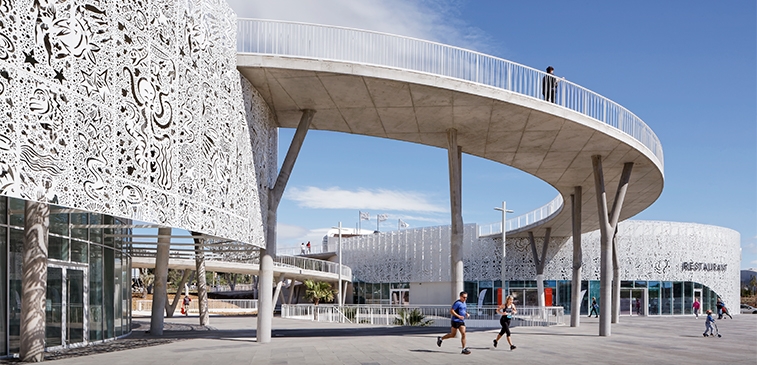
{"x":465,"y":351}
{"x":704,"y":334}
{"x":439,"y":341}
{"x":495,"y":344}
{"x":512,"y":347}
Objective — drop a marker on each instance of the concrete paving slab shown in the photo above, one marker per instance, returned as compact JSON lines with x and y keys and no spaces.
{"x":636,"y":340}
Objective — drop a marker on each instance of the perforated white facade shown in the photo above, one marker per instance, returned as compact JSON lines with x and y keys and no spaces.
{"x":647,"y":250}
{"x":134,"y":109}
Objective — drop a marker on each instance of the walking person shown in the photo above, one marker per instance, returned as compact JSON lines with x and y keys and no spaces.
{"x":459,"y":312}
{"x":185,"y":305}
{"x":708,"y":323}
{"x":594,"y":307}
{"x":507,"y":311}
{"x":308,"y":246}
{"x":720,"y":306}
{"x":638,"y":307}
{"x":695,"y":307}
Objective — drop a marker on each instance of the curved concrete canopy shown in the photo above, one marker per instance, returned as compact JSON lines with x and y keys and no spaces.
{"x":548,"y":141}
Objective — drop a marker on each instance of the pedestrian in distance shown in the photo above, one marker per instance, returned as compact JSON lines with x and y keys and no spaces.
{"x":594,"y":307}
{"x":185,"y":305}
{"x":708,"y":324}
{"x":507,"y":311}
{"x":459,"y":312}
{"x":695,"y":307}
{"x":638,"y":307}
{"x":549,"y":85}
{"x":308,"y":246}
{"x":302,"y":248}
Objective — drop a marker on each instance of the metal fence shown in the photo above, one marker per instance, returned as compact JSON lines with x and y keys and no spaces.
{"x":215,"y":306}
{"x":420,"y":315}
{"x":375,"y":48}
{"x":524,"y":220}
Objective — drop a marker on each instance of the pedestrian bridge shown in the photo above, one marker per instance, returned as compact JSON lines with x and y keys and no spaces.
{"x":407,"y":89}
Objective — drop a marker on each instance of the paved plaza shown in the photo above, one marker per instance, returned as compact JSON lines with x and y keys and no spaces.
{"x":231,"y":340}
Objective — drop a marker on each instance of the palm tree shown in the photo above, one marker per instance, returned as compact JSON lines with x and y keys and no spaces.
{"x":317,"y":291}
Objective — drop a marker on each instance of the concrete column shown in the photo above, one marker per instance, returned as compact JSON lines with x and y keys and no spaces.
{"x":454,"y":154}
{"x":278,"y":291}
{"x":607,"y":223}
{"x":34,"y":282}
{"x":575,"y":290}
{"x":291,"y":291}
{"x":265,"y":285}
{"x":160,"y":285}
{"x":202,"y":285}
{"x":615,"y":278}
{"x":540,"y":263}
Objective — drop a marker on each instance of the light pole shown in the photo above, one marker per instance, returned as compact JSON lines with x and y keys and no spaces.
{"x":504,"y":211}
{"x":339,"y":253}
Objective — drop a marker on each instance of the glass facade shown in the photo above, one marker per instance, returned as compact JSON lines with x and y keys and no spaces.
{"x":87,"y":300}
{"x":663,"y":297}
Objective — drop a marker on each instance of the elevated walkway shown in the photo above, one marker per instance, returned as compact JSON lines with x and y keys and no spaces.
{"x":411,"y":90}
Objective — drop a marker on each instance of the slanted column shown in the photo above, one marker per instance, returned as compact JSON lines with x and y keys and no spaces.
{"x":265,"y":283}
{"x":575,"y":294}
{"x":202,"y":285}
{"x":34,"y":282}
{"x":454,"y":154}
{"x":540,"y":263}
{"x":607,"y":224}
{"x":278,"y":290}
{"x":615,"y":278}
{"x":160,"y":285}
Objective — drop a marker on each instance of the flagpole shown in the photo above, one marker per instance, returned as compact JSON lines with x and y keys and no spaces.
{"x":359,"y":218}
{"x":399,"y":224}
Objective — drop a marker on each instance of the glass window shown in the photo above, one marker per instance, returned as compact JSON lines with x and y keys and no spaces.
{"x":677,"y":297}
{"x":16,"y":207}
{"x":79,"y":251}
{"x":108,"y":290}
{"x":116,"y":293}
{"x":666,"y":298}
{"x":95,"y":293}
{"x":79,"y":219}
{"x":57,"y":247}
{"x":471,"y":287}
{"x":654,"y":297}
{"x":58,"y":222}
{"x":3,"y":212}
{"x":15,"y":260}
{"x":640,"y":284}
{"x":688,"y":297}
{"x":54,"y":307}
{"x":3,"y":284}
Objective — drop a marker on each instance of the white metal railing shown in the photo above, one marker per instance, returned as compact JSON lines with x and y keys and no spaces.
{"x":367,"y":47}
{"x":419,"y":315}
{"x":525,"y":220}
{"x":297,"y":250}
{"x":298,"y":262}
{"x":215,"y":306}
{"x":307,"y":263}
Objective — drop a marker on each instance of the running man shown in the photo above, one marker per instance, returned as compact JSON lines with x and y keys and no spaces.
{"x":459,"y":312}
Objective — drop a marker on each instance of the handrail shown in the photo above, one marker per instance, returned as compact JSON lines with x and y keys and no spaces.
{"x":524,"y":220}
{"x":368,"y":47}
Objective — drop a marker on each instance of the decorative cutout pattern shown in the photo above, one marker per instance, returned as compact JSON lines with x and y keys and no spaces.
{"x":134,"y":109}
{"x":648,"y":250}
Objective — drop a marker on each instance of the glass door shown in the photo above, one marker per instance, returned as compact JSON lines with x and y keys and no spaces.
{"x":400,"y":296}
{"x":625,"y":302}
{"x":75,"y":306}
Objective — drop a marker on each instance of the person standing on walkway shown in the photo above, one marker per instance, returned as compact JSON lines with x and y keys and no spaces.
{"x":302,"y":248}
{"x":695,"y":307}
{"x":308,"y":246}
{"x":708,"y":323}
{"x":549,"y":85}
{"x":507,"y":311}
{"x":459,"y":312}
{"x":594,"y":307}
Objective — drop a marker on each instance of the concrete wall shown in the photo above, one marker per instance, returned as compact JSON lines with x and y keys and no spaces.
{"x":431,"y":293}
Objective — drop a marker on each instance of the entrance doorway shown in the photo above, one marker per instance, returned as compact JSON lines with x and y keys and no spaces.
{"x":632,"y":302}
{"x":66,"y":312}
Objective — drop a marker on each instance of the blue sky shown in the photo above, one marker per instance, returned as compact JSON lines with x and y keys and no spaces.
{"x":687,"y":68}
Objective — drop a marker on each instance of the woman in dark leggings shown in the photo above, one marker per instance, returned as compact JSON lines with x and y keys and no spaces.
{"x":507,"y":311}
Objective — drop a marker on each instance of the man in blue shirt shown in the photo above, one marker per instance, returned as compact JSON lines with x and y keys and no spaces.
{"x":459,"y":312}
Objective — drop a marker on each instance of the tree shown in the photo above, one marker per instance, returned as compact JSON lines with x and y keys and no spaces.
{"x":753,"y":284}
{"x":317,"y":291}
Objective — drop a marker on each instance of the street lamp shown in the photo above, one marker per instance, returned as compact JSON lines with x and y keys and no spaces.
{"x":504,"y":211}
{"x":339,"y":253}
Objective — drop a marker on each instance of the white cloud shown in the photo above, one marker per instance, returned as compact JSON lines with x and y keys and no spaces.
{"x":294,"y":235}
{"x":287,"y":232}
{"x":336,"y":198}
{"x":436,"y":20}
